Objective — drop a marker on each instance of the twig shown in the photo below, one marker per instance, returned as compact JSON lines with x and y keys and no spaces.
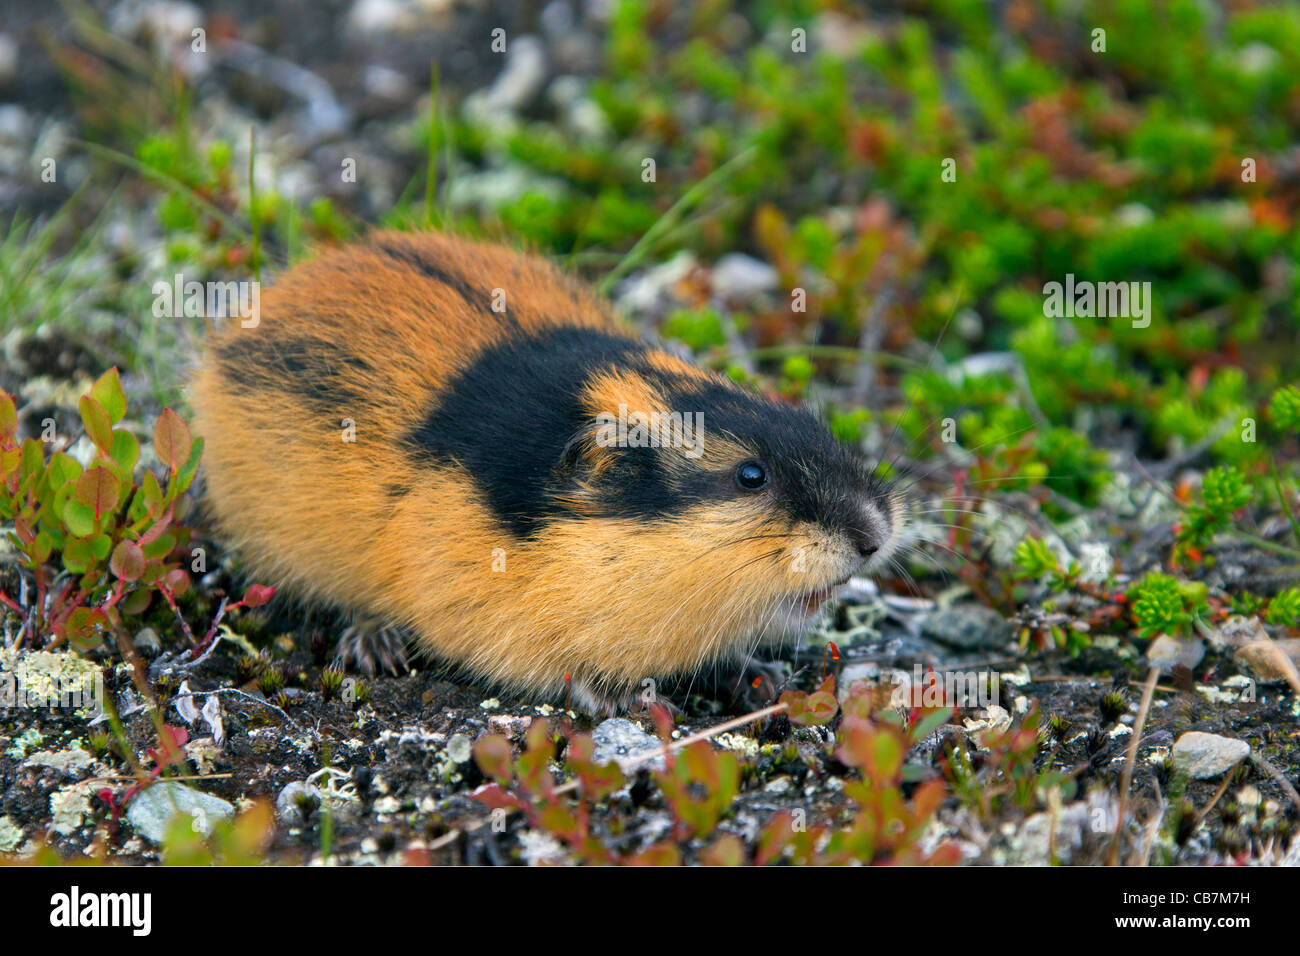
{"x":1278,"y":777}
{"x":1126,"y":778}
{"x":171,"y":602}
{"x":244,"y":695}
{"x":187,"y":776}
{"x":1223,"y":788}
{"x":1153,"y":828}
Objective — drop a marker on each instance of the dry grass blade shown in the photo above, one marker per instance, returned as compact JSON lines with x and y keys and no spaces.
{"x":1126,"y":778}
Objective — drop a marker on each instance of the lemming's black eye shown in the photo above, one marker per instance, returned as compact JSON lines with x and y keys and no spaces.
{"x":751,"y":476}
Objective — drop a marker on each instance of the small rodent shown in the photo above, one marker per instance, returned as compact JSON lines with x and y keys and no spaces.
{"x":423,"y":431}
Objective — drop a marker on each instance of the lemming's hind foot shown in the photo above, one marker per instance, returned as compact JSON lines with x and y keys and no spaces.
{"x":601,"y":701}
{"x":369,"y":646}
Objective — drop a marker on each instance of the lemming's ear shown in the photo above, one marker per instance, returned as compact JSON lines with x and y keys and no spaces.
{"x":585,"y":456}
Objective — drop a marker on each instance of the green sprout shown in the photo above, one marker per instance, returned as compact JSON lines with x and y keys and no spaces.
{"x":1164,"y":605}
{"x":1284,"y":608}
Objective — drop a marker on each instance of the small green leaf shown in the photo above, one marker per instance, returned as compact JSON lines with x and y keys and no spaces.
{"x":78,"y":518}
{"x":160,"y":548}
{"x":186,"y":474}
{"x":63,"y":469}
{"x":108,"y":392}
{"x":125,"y":452}
{"x":100,"y":545}
{"x":43,"y":546}
{"x":33,"y":459}
{"x":77,"y":555}
{"x":97,"y":421}
{"x":153,"y":495}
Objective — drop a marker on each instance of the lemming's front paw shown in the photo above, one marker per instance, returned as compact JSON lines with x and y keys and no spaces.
{"x":371,"y":647}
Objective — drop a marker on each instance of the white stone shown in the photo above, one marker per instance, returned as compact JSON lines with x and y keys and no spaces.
{"x":1203,"y":756}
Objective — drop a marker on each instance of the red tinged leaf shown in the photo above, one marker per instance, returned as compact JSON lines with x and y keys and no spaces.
{"x":98,"y":489}
{"x":157,"y":528}
{"x":172,"y":441}
{"x":98,"y":423}
{"x":171,"y":746}
{"x":83,"y":626}
{"x":662,"y":853}
{"x":8,"y":418}
{"x":178,"y":581}
{"x":810,"y":709}
{"x":127,"y":561}
{"x":493,"y":756}
{"x":257,"y":595}
{"x":727,"y":850}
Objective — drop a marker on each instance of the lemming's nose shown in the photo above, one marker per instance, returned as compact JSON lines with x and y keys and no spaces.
{"x":864,"y":541}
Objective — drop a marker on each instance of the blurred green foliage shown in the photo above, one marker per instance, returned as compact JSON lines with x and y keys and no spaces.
{"x":1161,"y":159}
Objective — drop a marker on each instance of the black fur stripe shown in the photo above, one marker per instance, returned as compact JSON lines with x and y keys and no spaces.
{"x":414,"y":258}
{"x":313,"y":370}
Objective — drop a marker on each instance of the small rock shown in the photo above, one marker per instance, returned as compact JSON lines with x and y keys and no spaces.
{"x":381,"y":16}
{"x":508,"y":725}
{"x":738,"y":276}
{"x":146,"y":641}
{"x":967,"y":627}
{"x":1263,"y":659}
{"x":987,"y":723}
{"x":653,"y":289}
{"x":541,"y":849}
{"x":294,"y":799}
{"x":10,"y":835}
{"x":386,"y":83}
{"x":1047,"y":838}
{"x":518,"y":84}
{"x":1204,"y":756}
{"x":74,"y":762}
{"x":1166,"y":653}
{"x":153,"y":808}
{"x":70,"y":808}
{"x":866,"y":672}
{"x":620,"y":740}
{"x":778,"y":785}
{"x":15,"y":126}
{"x":460,"y":748}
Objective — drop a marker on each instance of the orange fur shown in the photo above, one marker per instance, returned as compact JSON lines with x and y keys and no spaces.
{"x":610,"y":601}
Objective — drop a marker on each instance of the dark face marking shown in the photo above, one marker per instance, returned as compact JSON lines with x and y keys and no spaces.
{"x":511,"y":419}
{"x":810,"y":476}
{"x":312,"y":369}
{"x":508,"y":417}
